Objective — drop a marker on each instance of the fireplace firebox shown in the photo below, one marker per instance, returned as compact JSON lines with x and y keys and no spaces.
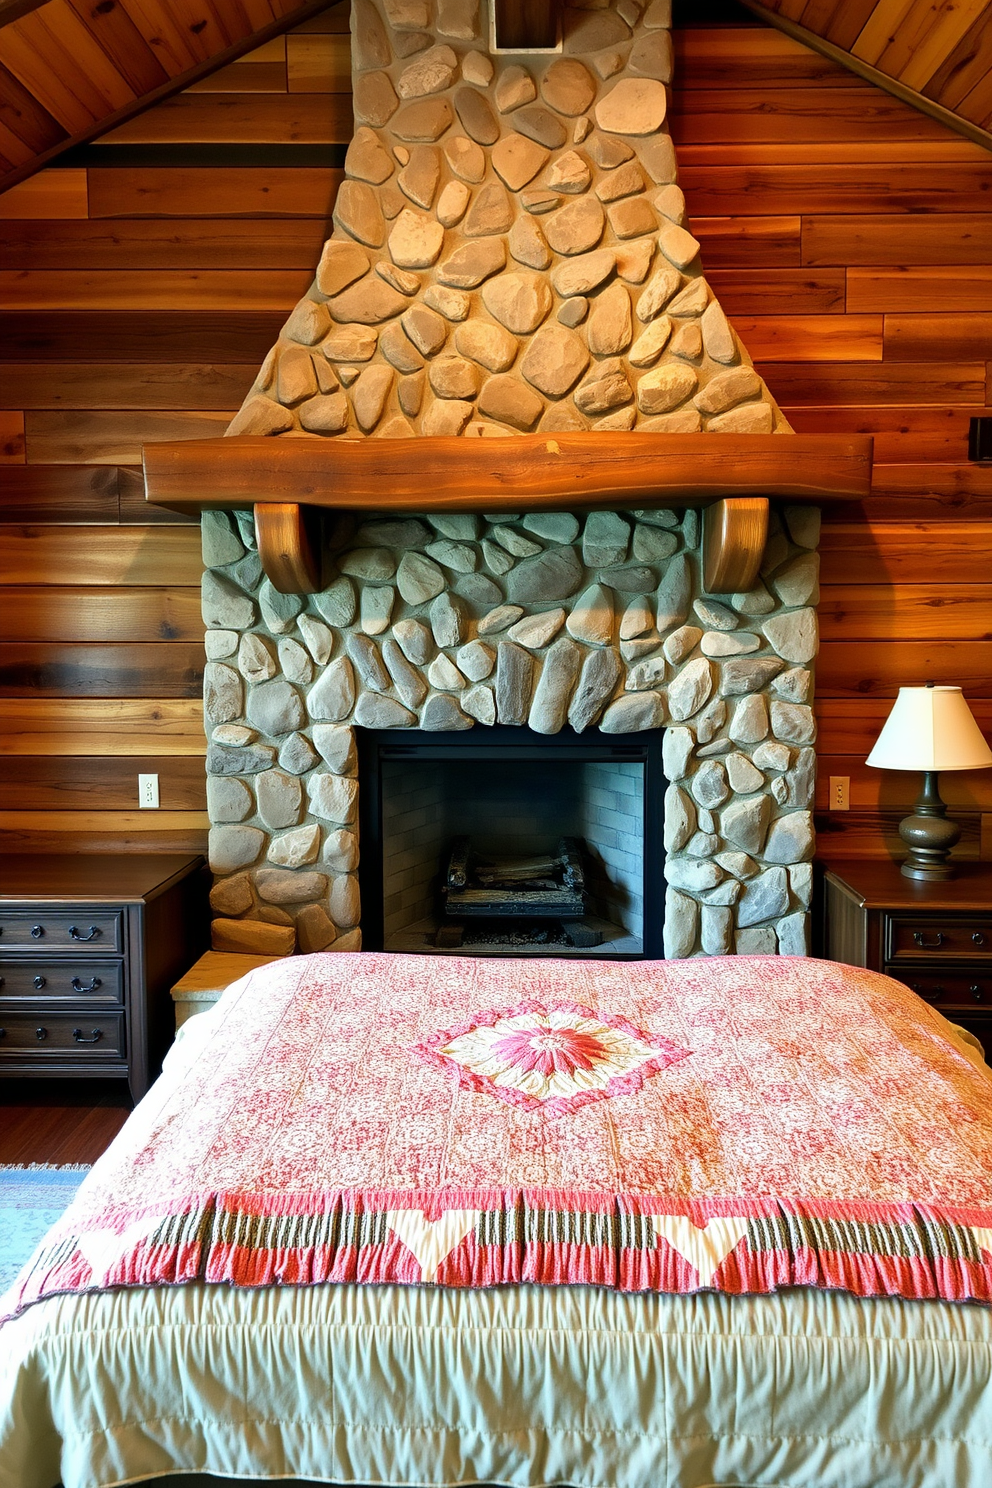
{"x":581,"y":814}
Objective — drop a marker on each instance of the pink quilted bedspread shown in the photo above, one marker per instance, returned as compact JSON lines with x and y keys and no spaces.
{"x":740,"y":1124}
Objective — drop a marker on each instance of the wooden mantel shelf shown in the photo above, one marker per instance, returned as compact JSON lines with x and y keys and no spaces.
{"x":289,"y":480}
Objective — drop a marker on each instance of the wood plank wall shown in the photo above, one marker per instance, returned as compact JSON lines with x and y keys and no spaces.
{"x":847,"y":235}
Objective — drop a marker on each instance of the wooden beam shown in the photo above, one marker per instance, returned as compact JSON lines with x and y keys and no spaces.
{"x":526,"y":25}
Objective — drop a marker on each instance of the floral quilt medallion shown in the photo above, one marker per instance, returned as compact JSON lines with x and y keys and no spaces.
{"x":555,"y":1058}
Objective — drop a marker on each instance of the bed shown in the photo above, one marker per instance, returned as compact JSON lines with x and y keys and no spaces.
{"x":443,"y":1221}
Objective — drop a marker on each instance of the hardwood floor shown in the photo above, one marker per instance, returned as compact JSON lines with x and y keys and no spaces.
{"x":60,"y":1121}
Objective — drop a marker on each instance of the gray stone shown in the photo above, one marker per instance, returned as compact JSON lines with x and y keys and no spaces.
{"x":597,"y":682}
{"x":792,"y":936}
{"x":409,"y":683}
{"x":459,"y":526}
{"x":230,"y":848}
{"x":442,"y":714}
{"x":756,"y":601}
{"x":535,"y":631}
{"x":756,"y":942}
{"x":798,"y":582}
{"x":681,"y":923}
{"x":228,"y":800}
{"x":702,"y":845}
{"x":737,"y":863}
{"x":674,"y":593}
{"x":278,"y":610}
{"x":605,"y":540}
{"x":742,"y":774}
{"x":637,"y":619}
{"x":779,"y":790}
{"x":336,"y":743}
{"x":376,"y":608}
{"x":677,"y":747}
{"x":297,"y":755}
{"x":220,"y":643}
{"x":652,"y":545}
{"x":220,"y":543}
{"x":745,"y":822}
{"x":692,"y":873}
{"x":232,"y":896}
{"x":247,"y":760}
{"x":646,"y":674}
{"x":793,"y":723}
{"x":553,"y":575}
{"x":709,"y":751}
{"x":681,"y":642}
{"x":741,"y":675}
{"x":716,"y":927}
{"x":374,"y":711}
{"x":635,"y":650}
{"x":772,"y":756}
{"x":719,"y":643}
{"x":341,"y":851}
{"x":365,"y":655}
{"x":794,"y":635}
{"x":680,"y":816}
{"x":790,"y":838}
{"x":247,"y":573}
{"x":476,"y":660}
{"x":334,"y":797}
{"x":344,"y":902}
{"x":317,"y":637}
{"x":332,"y":697}
{"x":801,"y":883}
{"x":457,"y":556}
{"x":496,"y":557}
{"x":764,"y":898}
{"x":715,"y":616}
{"x":801,"y":780}
{"x":449,"y":622}
{"x":591,"y":618}
{"x":222,"y":693}
{"x":337,"y":602}
{"x":803,"y":523}
{"x":724,"y":894}
{"x":632,"y":579}
{"x":634,"y":712}
{"x":278,"y":886}
{"x":555,"y":686}
{"x":296,"y":664}
{"x":499,"y":619}
{"x":690,"y":689}
{"x":224,"y":606}
{"x":559,"y":527}
{"x":480,"y":703}
{"x":275,"y":708}
{"x":793,"y":685}
{"x":444,"y":675}
{"x":255,"y":659}
{"x":419,"y":579}
{"x":749,"y":724}
{"x":280,"y":797}
{"x":514,"y":681}
{"x":711,"y":721}
{"x":416,"y":641}
{"x":709,"y":784}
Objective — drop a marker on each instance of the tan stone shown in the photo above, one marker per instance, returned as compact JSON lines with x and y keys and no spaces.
{"x":660,"y":288}
{"x":621,"y":422}
{"x":517,"y":160}
{"x":451,"y":303}
{"x":568,"y":87}
{"x":419,"y":177}
{"x":260,"y":415}
{"x":489,"y":213}
{"x":651,"y":56}
{"x":465,"y":158}
{"x":313,"y":929}
{"x":608,"y":63}
{"x":562,"y":418}
{"x":308,"y":324}
{"x":432,"y":72}
{"x":407,"y":284}
{"x":397,"y":428}
{"x":425,"y":328}
{"x":688,"y":341}
{"x":452,"y":203}
{"x":583,"y":274}
{"x":658,"y":158}
{"x":296,"y":379}
{"x":627,"y":180}
{"x":528,"y":245}
{"x":348,"y":375}
{"x":577,"y":227}
{"x":728,"y":388}
{"x":514,"y":88}
{"x":325,"y":415}
{"x":402,"y":154}
{"x":399,"y":350}
{"x":678,"y":246}
{"x":253,"y":936}
{"x":415,"y":240}
{"x":555,"y":360}
{"x":580,"y":129}
{"x":369,"y":394}
{"x":340,"y":265}
{"x":692,"y":300}
{"x":366,"y":159}
{"x":683,"y":421}
{"x":478,"y":119}
{"x":539,"y":124}
{"x":610,"y":324}
{"x":632,"y":217}
{"x":458,"y":18}
{"x":391,"y":201}
{"x":651,"y":343}
{"x":510,"y":401}
{"x":659,"y":391}
{"x":327,"y":381}
{"x":357,"y":211}
{"x":574,"y":311}
{"x":369,"y":42}
{"x":670,"y":202}
{"x":606,"y":387}
{"x":446,"y":416}
{"x":453,"y":377}
{"x":658,"y":15}
{"x":633,"y":106}
{"x":408,"y":15}
{"x":750,"y":418}
{"x":538,"y":202}
{"x":569,"y":174}
{"x":424,"y":121}
{"x":411,"y":393}
{"x":591,"y":31}
{"x":367,"y":303}
{"x":473,"y":262}
{"x":519,"y":301}
{"x":374,"y":98}
{"x":608,"y":153}
{"x":477,"y":68}
{"x":489,"y":345}
{"x":718,"y":338}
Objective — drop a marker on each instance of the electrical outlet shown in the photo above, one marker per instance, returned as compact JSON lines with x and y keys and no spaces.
{"x":840,"y":793}
{"x":148,"y":792}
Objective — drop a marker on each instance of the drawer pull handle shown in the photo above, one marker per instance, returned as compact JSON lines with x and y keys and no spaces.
{"x":41,"y":1034}
{"x":37,"y":931}
{"x":78,"y":935}
{"x":97,"y":1035}
{"x":39,"y":982}
{"x":77,"y":985}
{"x":978,"y":938}
{"x":932,"y":945}
{"x":931,"y":994}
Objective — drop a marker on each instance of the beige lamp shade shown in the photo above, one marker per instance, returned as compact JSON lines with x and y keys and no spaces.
{"x":930,"y":728}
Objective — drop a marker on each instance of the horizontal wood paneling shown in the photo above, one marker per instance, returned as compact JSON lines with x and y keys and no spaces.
{"x":781,"y":292}
{"x":101,"y":726}
{"x":130,"y":336}
{"x":897,"y":790}
{"x":171,"y":669}
{"x":220,"y":118}
{"x":115,"y":837}
{"x":782,"y":189}
{"x":905,"y":553}
{"x":113,"y":438}
{"x":949,"y":238}
{"x":899,"y":612}
{"x":849,"y":726}
{"x":796,"y":114}
{"x":191,"y":243}
{"x":167,"y":192}
{"x":866,"y":383}
{"x":76,"y":613}
{"x":120,"y":556}
{"x":859,"y":668}
{"x":111,"y":385}
{"x":167,"y":289}
{"x":915,"y":337}
{"x":906,"y":434}
{"x":31,"y":784}
{"x":947,"y":287}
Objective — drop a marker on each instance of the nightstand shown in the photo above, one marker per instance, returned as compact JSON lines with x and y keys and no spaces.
{"x":934,"y":937}
{"x":89,"y":947}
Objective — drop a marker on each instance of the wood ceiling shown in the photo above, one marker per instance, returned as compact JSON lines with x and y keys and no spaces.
{"x":936,"y":54}
{"x":71,"y":69}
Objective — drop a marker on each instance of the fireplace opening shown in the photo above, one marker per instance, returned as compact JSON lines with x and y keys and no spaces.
{"x":512,"y":843}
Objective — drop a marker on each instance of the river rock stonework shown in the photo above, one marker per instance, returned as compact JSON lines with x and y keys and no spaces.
{"x":510,"y":255}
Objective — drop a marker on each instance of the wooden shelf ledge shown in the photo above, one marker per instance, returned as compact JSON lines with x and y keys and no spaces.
{"x":289,"y":480}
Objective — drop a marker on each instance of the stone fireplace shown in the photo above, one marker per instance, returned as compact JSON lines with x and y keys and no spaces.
{"x":510,"y":257}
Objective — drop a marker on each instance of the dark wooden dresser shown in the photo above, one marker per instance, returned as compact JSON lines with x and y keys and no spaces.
{"x":89,"y":948}
{"x":935,"y":937}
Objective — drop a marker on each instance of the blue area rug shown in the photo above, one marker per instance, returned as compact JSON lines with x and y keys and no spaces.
{"x":31,"y":1200}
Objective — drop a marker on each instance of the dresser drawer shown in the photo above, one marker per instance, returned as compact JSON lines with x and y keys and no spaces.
{"x":949,"y":988}
{"x":89,"y":930}
{"x":42,"y":1035}
{"x":912,"y":936}
{"x":73,"y":978}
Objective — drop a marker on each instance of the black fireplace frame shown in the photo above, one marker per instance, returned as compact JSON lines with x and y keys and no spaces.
{"x":506,"y":743}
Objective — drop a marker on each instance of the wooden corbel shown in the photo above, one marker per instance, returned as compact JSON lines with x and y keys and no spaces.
{"x":289,"y":546}
{"x":735,"y":531}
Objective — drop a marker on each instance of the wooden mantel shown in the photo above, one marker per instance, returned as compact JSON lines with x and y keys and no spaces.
{"x":290,"y":480}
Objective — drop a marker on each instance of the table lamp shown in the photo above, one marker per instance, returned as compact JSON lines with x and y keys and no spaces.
{"x":930,"y":728}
